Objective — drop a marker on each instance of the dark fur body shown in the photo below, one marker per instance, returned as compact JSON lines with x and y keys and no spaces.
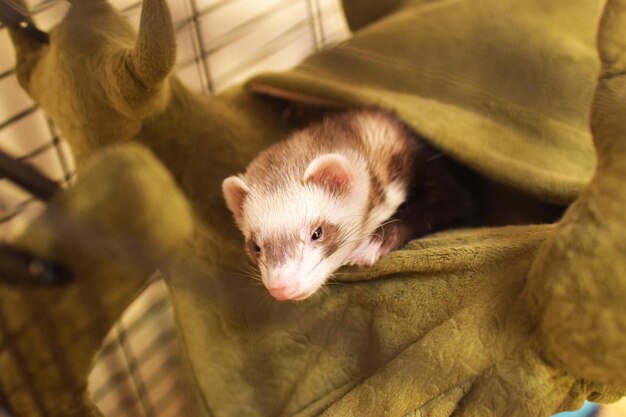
{"x":436,"y":197}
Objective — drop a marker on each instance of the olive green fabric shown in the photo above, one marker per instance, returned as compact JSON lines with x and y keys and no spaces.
{"x":581,"y":269}
{"x":503,"y":86}
{"x":122,"y":218}
{"x":449,"y":325}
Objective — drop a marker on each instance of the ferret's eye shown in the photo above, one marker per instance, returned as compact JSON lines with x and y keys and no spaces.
{"x":256,"y":248}
{"x":317,"y":234}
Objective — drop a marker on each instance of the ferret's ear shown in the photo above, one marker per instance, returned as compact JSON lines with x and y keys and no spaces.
{"x":235,"y":190}
{"x":331,"y":171}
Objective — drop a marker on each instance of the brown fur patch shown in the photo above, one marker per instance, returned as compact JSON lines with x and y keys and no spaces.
{"x":376,"y":195}
{"x":278,"y":247}
{"x":332,"y":238}
{"x":400,"y":166}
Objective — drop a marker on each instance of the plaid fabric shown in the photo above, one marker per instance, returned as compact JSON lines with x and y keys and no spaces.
{"x":138,"y":371}
{"x":220,"y":43}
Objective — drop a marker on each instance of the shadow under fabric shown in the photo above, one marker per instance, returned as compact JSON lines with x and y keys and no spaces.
{"x":501,"y":321}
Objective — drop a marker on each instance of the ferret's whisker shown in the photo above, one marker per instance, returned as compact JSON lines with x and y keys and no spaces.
{"x":317,"y":264}
{"x":249,"y":270}
{"x":389,"y":222}
{"x":341,"y":273}
{"x":325,"y":289}
{"x":243,"y":271}
{"x":350,"y":216}
{"x":262,"y":262}
{"x":265,"y":300}
{"x":349,"y":242}
{"x":306,"y":221}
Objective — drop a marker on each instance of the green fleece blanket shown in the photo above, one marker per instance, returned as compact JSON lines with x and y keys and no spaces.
{"x":504,"y":87}
{"x":502,"y":321}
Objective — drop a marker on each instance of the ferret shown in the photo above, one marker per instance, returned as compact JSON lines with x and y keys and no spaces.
{"x":345,"y":190}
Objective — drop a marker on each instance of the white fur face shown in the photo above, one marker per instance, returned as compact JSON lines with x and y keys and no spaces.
{"x":300,"y":236}
{"x":300,"y":233}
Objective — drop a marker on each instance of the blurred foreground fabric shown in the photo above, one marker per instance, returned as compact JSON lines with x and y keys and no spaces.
{"x":220,"y":43}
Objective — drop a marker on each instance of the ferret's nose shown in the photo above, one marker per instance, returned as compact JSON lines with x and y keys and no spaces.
{"x":282,"y":293}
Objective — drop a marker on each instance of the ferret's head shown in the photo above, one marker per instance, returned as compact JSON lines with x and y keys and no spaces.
{"x":299,"y":231}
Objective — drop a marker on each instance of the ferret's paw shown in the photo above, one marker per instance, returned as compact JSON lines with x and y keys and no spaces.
{"x":367,"y":253}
